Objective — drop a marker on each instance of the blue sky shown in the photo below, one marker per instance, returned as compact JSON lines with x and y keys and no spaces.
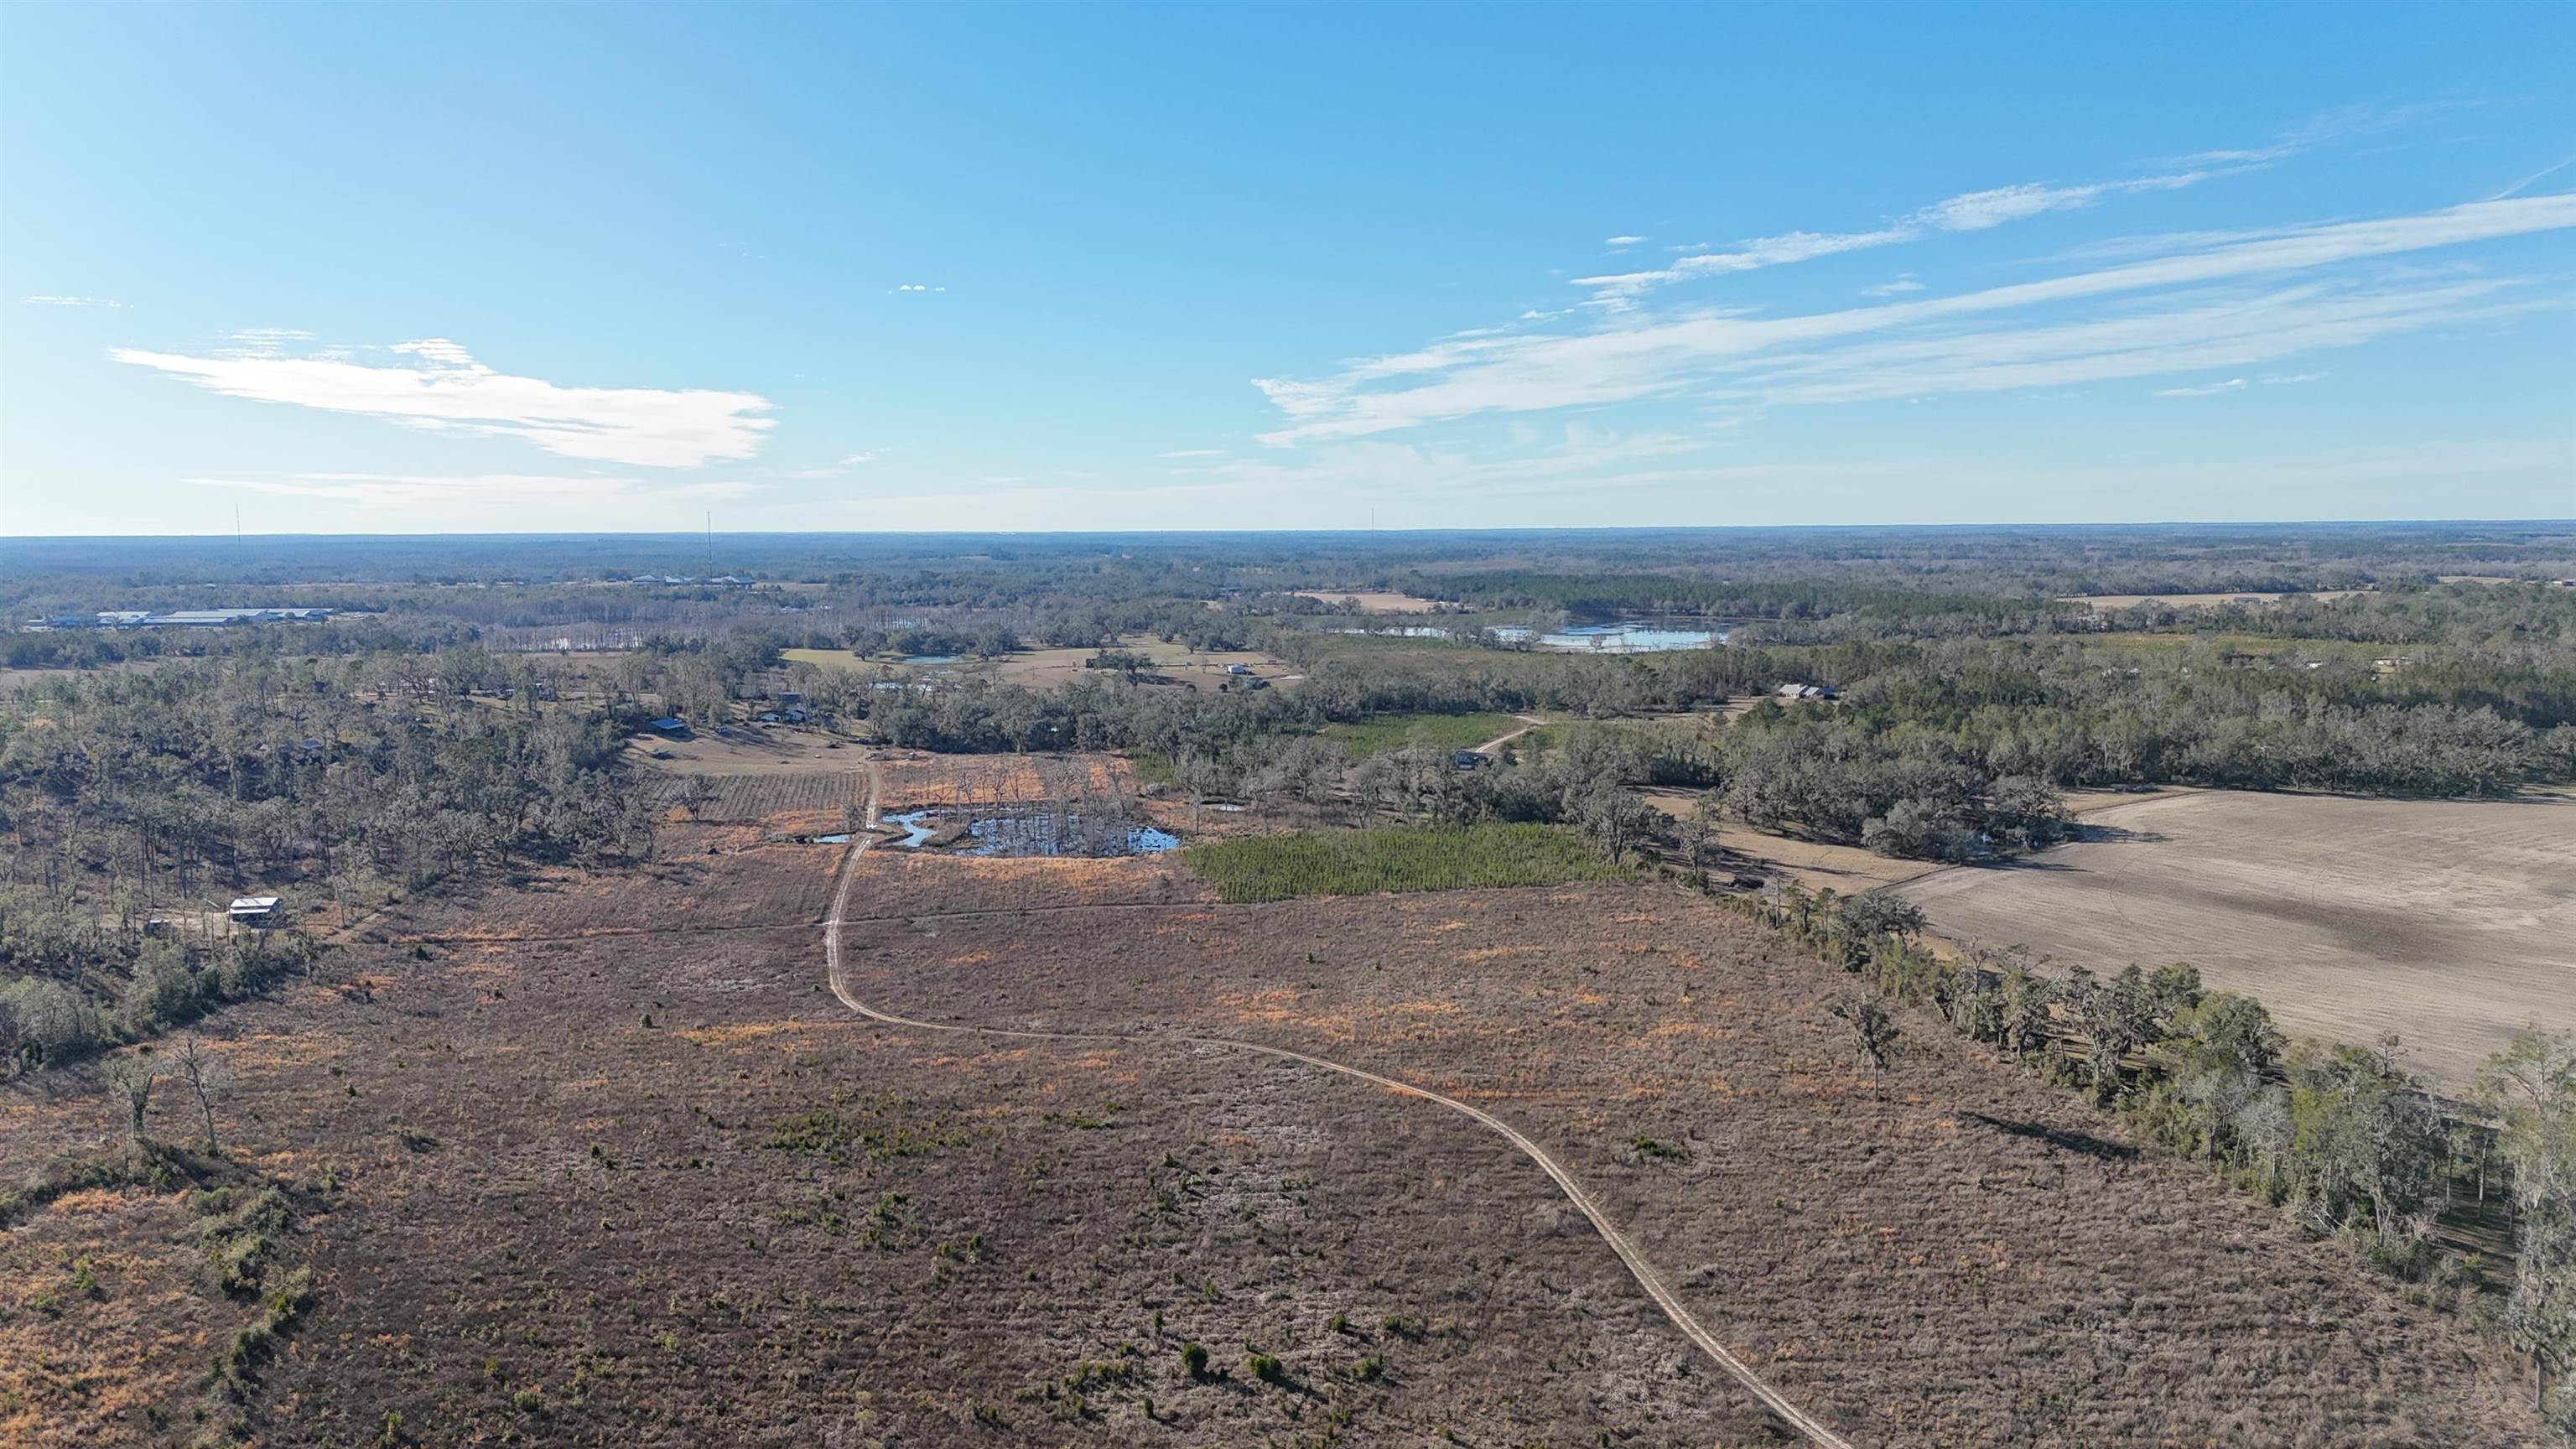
{"x":488,"y":268}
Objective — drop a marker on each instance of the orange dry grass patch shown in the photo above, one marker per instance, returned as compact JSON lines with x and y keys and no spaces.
{"x":763,"y":1031}
{"x":931,"y":780}
{"x":271,"y":1051}
{"x":80,"y":1367}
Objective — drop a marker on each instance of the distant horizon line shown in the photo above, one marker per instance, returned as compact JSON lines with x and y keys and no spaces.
{"x":1450,"y":531}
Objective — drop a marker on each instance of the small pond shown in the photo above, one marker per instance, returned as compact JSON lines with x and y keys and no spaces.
{"x":1044,"y":832}
{"x":916,"y":827}
{"x":1619,"y":636}
{"x":1038,"y":832}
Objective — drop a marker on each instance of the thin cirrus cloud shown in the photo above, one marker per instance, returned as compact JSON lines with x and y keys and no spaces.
{"x":2236,"y":384}
{"x":53,"y":301}
{"x":1967,"y":212}
{"x":431,"y":495}
{"x":438,"y":385}
{"x":2192,"y":313}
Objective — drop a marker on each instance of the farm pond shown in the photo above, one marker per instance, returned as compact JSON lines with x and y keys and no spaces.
{"x":1032,"y":831}
{"x":1619,"y":636}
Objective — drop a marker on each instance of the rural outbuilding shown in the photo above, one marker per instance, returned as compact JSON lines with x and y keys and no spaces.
{"x":260,"y":911}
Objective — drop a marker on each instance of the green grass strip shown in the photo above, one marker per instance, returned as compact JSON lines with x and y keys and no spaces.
{"x":1405,"y":858}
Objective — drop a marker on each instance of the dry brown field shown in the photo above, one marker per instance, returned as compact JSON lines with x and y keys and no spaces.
{"x":1047,"y":668}
{"x":663,"y":1190}
{"x":1978,"y":1260}
{"x":752,"y":751}
{"x":599,"y":1160}
{"x":2446,"y":922}
{"x":1372,"y":601}
{"x":1844,"y":869}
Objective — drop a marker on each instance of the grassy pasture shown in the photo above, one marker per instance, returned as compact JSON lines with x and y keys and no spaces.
{"x":1381,"y":733}
{"x":1409,"y":858}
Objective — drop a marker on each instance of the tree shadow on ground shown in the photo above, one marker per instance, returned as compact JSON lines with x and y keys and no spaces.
{"x":2081,"y":1142}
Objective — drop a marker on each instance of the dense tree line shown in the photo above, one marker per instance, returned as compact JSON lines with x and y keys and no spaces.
{"x":128,"y":795}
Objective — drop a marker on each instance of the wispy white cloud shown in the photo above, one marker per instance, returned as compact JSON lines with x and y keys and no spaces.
{"x":919,"y":287}
{"x":834,"y":469}
{"x":52,"y":301}
{"x":1942,"y":344}
{"x":1967,"y":212}
{"x":2237,"y":384}
{"x":440,"y":386}
{"x":415,"y":491}
{"x":1622,"y":241}
{"x":2543,"y":174}
{"x":1902,"y":284}
{"x":1193,"y":453}
{"x":2319,"y":130}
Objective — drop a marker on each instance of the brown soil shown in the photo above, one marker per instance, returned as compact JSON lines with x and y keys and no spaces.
{"x":2444,"y":921}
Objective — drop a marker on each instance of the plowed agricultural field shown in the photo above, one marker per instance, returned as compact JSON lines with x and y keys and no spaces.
{"x":2446,"y":922}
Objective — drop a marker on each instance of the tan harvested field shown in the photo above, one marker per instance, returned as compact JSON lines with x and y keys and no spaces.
{"x":2198,"y":601}
{"x":1372,"y":601}
{"x":1845,"y":869}
{"x":2446,"y":922}
{"x":1046,"y":668}
{"x":757,"y":750}
{"x":916,"y":778}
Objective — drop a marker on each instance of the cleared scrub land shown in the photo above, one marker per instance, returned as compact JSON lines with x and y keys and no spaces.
{"x":2446,"y":922}
{"x":1363,"y":862}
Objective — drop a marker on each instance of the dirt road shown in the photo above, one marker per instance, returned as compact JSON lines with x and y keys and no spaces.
{"x":1644,"y":1272}
{"x":1498,"y":741}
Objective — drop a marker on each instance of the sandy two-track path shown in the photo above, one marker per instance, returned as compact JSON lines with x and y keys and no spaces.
{"x":1644,"y":1272}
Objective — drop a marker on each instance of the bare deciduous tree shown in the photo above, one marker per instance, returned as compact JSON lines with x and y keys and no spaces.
{"x":131,"y":1077}
{"x":205,"y":1076}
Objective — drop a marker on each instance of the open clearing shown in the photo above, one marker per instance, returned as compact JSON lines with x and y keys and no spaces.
{"x":2199,"y":601}
{"x":1844,"y":869}
{"x":597,"y":1158}
{"x":1371,"y":601}
{"x":1046,"y":668}
{"x":2447,"y":922}
{"x":1979,"y":1260}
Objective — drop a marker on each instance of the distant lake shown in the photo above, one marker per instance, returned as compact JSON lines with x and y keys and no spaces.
{"x":1620,"y":636}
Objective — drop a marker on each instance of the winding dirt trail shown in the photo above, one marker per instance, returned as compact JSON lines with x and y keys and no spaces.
{"x":1498,"y":741}
{"x":1644,"y":1272}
